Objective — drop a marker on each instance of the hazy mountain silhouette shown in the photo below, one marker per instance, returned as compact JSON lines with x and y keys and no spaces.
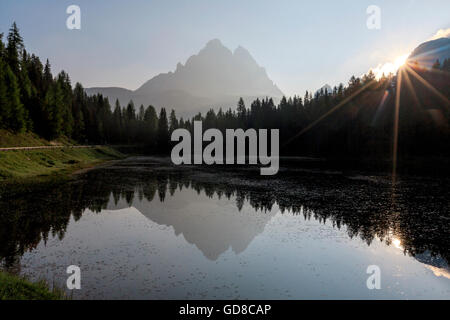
{"x":428,"y":52}
{"x":326,"y":88}
{"x":215,"y":77}
{"x":212,"y":232}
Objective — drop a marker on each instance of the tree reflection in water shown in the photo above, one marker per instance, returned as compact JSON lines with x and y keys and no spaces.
{"x":414,"y":215}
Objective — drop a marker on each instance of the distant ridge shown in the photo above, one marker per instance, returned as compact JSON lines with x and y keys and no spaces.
{"x":326,"y":88}
{"x":215,"y":77}
{"x":428,"y":52}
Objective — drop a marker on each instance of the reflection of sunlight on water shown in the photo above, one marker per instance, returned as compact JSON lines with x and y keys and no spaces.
{"x":397,"y":243}
{"x":392,"y":239}
{"x":439,"y":272}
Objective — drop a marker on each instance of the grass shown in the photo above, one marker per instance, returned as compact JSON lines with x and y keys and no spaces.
{"x":28,"y":170}
{"x":25,"y":170}
{"x":33,"y":165}
{"x":30,"y":163}
{"x":18,"y":288}
{"x":27,"y":139}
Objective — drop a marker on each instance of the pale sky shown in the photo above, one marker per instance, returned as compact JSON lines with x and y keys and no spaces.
{"x":302,"y":44}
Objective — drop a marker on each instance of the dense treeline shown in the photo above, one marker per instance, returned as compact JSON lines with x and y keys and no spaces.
{"x":32,"y":99}
{"x":356,"y":120}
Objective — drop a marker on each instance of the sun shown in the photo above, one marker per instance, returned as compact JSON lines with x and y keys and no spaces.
{"x":400,"y":61}
{"x":390,"y":67}
{"x":397,"y":243}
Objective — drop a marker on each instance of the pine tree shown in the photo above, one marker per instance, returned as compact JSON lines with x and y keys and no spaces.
{"x":78,"y":97}
{"x":53,"y":111}
{"x":241,"y":113}
{"x":141,"y":113}
{"x":14,"y":48}
{"x":4,"y":111}
{"x":117,"y":122}
{"x":3,"y":101}
{"x":436,"y":65}
{"x":173,"y":123}
{"x":151,"y":125}
{"x":66,"y":107}
{"x":150,"y":116}
{"x":131,"y":111}
{"x":27,"y":90}
{"x":446,"y":65}
{"x":369,"y":77}
{"x":163,"y":131}
{"x":2,"y":47}
{"x":14,"y":112}
{"x":47,"y":77}
{"x":210,"y":120}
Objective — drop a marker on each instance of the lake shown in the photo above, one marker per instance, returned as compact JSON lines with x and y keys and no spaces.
{"x":141,"y":228}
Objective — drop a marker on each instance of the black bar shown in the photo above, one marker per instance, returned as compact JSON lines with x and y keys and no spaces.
{"x":225,"y":309}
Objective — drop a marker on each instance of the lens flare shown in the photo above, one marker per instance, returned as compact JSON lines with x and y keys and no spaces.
{"x":400,"y":61}
{"x":390,"y":67}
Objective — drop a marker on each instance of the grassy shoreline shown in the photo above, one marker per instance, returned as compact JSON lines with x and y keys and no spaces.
{"x":45,"y":164}
{"x":25,"y":170}
{"x":29,"y":139}
{"x":18,"y":288}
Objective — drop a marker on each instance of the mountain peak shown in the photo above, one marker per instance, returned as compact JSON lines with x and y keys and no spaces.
{"x":242,"y":54}
{"x":326,"y":88}
{"x":213,"y":49}
{"x":214,"y":77}
{"x":214,"y":43}
{"x":241,"y":50}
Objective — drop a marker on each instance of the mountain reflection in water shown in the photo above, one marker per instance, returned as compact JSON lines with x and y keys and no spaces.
{"x":412,"y":216}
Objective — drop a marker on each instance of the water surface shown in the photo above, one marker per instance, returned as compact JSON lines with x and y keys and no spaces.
{"x":142,"y":229}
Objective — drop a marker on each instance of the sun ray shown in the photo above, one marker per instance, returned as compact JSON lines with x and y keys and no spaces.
{"x":428,"y":85}
{"x":340,"y":104}
{"x":390,"y":67}
{"x":381,"y":106}
{"x":427,"y":58}
{"x":396,"y":116}
{"x":441,"y":72}
{"x":411,"y":88}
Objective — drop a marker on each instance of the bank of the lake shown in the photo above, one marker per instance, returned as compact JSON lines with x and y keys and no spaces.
{"x":22,"y":170}
{"x":17,"y":288}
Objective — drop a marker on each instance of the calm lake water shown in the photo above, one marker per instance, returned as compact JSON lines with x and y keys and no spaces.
{"x":142,"y":229}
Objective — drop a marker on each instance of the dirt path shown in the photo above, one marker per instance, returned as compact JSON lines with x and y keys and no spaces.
{"x":46,"y":147}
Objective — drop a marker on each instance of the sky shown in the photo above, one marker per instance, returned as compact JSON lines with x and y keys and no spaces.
{"x":301,"y":44}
